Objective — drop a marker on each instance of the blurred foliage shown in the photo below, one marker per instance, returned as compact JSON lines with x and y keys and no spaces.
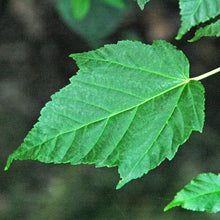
{"x":101,"y":20}
{"x":80,"y":8}
{"x":115,"y":3}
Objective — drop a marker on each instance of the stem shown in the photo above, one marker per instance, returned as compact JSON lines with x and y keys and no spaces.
{"x":205,"y":75}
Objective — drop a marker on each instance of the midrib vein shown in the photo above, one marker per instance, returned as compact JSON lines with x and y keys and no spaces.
{"x":106,"y":117}
{"x":201,"y":195}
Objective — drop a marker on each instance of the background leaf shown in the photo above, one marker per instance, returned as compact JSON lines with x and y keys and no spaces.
{"x":212,"y":29}
{"x":115,"y":3}
{"x":131,"y":105}
{"x":201,"y":194}
{"x":80,"y":8}
{"x":194,"y":12}
{"x":142,"y":3}
{"x":101,"y":20}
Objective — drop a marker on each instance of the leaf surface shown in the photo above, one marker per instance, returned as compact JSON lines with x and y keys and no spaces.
{"x":201,"y":194}
{"x":194,"y":12}
{"x":142,"y":3}
{"x":212,"y":29}
{"x":131,"y":105}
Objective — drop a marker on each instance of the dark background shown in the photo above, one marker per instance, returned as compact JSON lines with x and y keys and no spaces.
{"x":34,"y":46}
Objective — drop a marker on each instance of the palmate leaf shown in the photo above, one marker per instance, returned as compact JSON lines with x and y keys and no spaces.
{"x":212,"y":29}
{"x":142,"y":3}
{"x":201,"y":194}
{"x":194,"y":12}
{"x":131,"y":105}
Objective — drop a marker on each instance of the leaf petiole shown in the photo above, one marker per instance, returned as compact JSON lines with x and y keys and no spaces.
{"x":205,"y":75}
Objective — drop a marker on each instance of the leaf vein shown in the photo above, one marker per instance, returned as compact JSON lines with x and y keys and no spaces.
{"x":103,"y":129}
{"x":127,"y":66}
{"x":100,"y":163}
{"x":87,"y":103}
{"x":109,"y":88}
{"x":159,"y":133}
{"x":149,"y":99}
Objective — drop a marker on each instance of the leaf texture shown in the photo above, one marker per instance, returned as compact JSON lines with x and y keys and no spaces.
{"x":194,"y":12}
{"x":201,"y":194}
{"x":212,"y":29}
{"x":130,"y":105}
{"x":142,"y":3}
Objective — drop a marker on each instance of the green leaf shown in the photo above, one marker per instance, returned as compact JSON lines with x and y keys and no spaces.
{"x":131,"y":105}
{"x":201,"y":194}
{"x":101,"y":20}
{"x":80,"y":8}
{"x":212,"y":29}
{"x":142,"y":3}
{"x":115,"y":3}
{"x":194,"y":12}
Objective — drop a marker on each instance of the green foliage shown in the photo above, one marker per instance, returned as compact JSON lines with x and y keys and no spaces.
{"x":194,"y":12}
{"x":115,"y":3}
{"x":201,"y":194}
{"x":100,"y":21}
{"x":131,"y":105}
{"x":80,"y":8}
{"x":212,"y":29}
{"x":142,"y":3}
{"x":95,"y":20}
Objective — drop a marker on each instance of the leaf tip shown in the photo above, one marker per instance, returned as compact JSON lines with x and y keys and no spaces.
{"x":141,"y":7}
{"x":9,"y":161}
{"x":192,"y":40}
{"x":167,"y":208}
{"x":121,"y":184}
{"x":171,"y":205}
{"x":71,"y":55}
